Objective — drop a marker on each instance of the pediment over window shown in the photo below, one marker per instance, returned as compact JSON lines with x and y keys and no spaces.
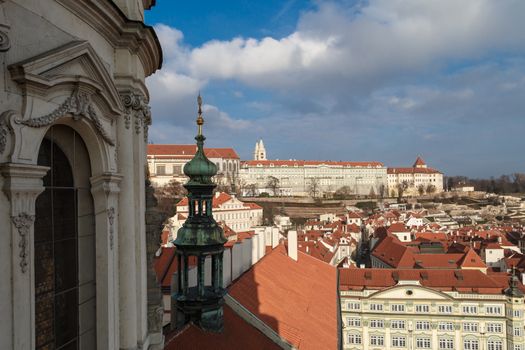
{"x":74,"y":65}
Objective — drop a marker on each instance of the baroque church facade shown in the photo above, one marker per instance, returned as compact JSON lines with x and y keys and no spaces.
{"x":75,"y":255}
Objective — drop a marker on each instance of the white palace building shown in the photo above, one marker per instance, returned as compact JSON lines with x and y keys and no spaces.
{"x":295,"y":177}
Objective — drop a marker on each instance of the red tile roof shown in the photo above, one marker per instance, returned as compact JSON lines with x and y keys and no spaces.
{"x":419,"y":161}
{"x":300,"y":163}
{"x":237,"y":334}
{"x":412,"y":171}
{"x":398,"y":227}
{"x":297,"y":299}
{"x":471,"y":281}
{"x":188,"y":151}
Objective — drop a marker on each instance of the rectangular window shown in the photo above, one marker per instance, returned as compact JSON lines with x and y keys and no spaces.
{"x":177,"y":169}
{"x":470,"y":327}
{"x":445,"y":309}
{"x":353,"y":306}
{"x":446,"y":344}
{"x":354,"y":338}
{"x":423,"y":343}
{"x":494,"y":345}
{"x":377,"y":324}
{"x":470,"y":344}
{"x":518,"y":332}
{"x":353,"y":322}
{"x":423,"y":308}
{"x":470,"y":309}
{"x":422,"y":325}
{"x":493,"y":310}
{"x":161,"y":170}
{"x":446,"y":326}
{"x":397,"y":324}
{"x":517,"y":313}
{"x":399,"y":341}
{"x":397,"y":307}
{"x":494,"y":328}
{"x":377,"y":340}
{"x":376,"y":307}
{"x":517,"y":347}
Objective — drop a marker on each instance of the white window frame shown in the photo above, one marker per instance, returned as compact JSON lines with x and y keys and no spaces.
{"x":399,"y":341}
{"x":422,"y":325}
{"x":423,"y":343}
{"x":422,"y":308}
{"x":446,"y":344}
{"x":377,"y":340}
{"x":472,"y":327}
{"x":445,"y":309}
{"x":399,"y":324}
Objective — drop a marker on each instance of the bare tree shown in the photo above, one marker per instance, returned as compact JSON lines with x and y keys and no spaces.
{"x":382,"y":191}
{"x":372,"y":193}
{"x":168,"y":195}
{"x":273,"y":184}
{"x":421,"y":189}
{"x":430,"y":189}
{"x":313,"y":187}
{"x":401,"y":188}
{"x":251,"y":190}
{"x":343,"y":192}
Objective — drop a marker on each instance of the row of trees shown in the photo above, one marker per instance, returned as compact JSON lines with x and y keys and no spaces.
{"x":513,"y":183}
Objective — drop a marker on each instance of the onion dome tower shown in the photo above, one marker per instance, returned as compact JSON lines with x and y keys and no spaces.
{"x":200,"y":238}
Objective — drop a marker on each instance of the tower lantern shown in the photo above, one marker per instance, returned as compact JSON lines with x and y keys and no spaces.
{"x":200,"y":238}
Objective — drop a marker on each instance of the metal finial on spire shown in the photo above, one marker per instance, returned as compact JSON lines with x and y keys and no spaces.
{"x":200,"y":119}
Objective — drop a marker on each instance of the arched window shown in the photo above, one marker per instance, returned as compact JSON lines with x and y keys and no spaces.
{"x":62,"y":246}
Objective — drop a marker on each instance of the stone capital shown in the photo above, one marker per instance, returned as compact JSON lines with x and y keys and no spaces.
{"x":22,"y":184}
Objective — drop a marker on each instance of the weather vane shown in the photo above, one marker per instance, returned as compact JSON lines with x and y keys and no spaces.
{"x":200,"y":119}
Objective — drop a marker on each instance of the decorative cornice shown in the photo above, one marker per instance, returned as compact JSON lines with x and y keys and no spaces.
{"x":107,"y":19}
{"x":79,"y":105}
{"x":23,"y":223}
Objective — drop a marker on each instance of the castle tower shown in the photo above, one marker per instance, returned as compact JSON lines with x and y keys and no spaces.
{"x":200,"y":237}
{"x":419,"y":163}
{"x":260,"y":152}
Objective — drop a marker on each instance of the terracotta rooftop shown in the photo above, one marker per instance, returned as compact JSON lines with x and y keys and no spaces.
{"x":297,"y":299}
{"x":301,"y":163}
{"x":419,"y":162}
{"x":412,"y":171}
{"x":237,"y":334}
{"x":468,"y":281}
{"x":188,"y":151}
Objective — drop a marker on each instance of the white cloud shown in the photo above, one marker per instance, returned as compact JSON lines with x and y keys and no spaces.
{"x":345,"y":72}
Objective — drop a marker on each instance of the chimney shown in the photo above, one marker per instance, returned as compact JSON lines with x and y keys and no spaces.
{"x":292,"y":244}
{"x":217,"y":194}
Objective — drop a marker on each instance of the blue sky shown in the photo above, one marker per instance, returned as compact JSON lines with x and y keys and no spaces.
{"x":384,"y":80}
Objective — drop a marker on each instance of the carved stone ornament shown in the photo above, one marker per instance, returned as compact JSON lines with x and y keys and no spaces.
{"x":23,"y":223}
{"x":4,"y":129}
{"x":79,"y":105}
{"x":5,"y":44}
{"x":111,"y":218}
{"x":136,"y":106}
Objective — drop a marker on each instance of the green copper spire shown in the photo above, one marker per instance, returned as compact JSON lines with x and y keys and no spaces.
{"x":200,"y":169}
{"x":200,"y":238}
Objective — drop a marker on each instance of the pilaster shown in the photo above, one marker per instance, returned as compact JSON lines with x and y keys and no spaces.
{"x":105,"y":189}
{"x":22,"y":185}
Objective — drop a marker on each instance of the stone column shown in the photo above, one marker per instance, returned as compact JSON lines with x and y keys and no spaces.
{"x":105,"y":189}
{"x":22,"y":185}
{"x":127,"y":230}
{"x":139,"y":156}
